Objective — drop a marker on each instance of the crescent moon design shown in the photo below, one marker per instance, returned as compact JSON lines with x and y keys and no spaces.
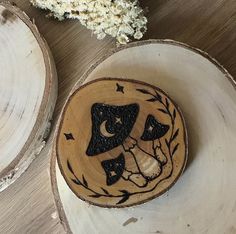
{"x":104,"y":131}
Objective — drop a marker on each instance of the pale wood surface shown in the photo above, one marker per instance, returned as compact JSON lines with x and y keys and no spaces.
{"x":207,"y":97}
{"x":27,"y":206}
{"x":28,"y":93}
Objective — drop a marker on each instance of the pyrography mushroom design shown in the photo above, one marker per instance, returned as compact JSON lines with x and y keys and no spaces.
{"x":131,"y":143}
{"x":112,"y":127}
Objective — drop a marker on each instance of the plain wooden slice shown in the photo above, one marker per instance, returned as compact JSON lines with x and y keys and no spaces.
{"x":28,"y":89}
{"x":204,"y":198}
{"x":124,"y":145}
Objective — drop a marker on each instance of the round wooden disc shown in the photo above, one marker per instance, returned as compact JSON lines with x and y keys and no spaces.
{"x":28,"y":88}
{"x":124,"y":145}
{"x":204,"y":198}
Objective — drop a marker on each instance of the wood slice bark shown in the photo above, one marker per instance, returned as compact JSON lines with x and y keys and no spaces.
{"x":204,"y":198}
{"x":28,"y":91}
{"x":125,"y":145}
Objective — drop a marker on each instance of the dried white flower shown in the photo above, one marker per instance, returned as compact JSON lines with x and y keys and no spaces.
{"x":122,"y":19}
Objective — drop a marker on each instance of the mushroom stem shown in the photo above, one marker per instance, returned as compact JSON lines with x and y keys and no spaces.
{"x":149,"y":167}
{"x":158,"y":152}
{"x":136,"y":178}
{"x":130,"y":151}
{"x":140,"y":148}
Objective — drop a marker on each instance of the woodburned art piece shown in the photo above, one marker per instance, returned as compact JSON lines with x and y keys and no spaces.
{"x":121,"y":142}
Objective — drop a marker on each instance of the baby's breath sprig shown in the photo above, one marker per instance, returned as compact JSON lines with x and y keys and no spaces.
{"x":121,"y":19}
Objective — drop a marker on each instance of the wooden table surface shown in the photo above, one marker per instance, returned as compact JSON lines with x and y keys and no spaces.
{"x":28,"y":205}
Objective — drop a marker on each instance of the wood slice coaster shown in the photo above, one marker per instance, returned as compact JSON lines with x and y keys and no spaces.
{"x":203,"y":200}
{"x":28,"y":89}
{"x":124,"y":145}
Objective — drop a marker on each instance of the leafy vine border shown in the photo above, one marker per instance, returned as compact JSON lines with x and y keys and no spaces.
{"x":125,"y":195}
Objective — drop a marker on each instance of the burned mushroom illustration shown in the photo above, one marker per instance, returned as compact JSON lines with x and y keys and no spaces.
{"x":153,"y":129}
{"x":131,"y":138}
{"x":111,"y":125}
{"x":114,"y":169}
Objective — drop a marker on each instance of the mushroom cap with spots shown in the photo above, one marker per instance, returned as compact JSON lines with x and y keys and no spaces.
{"x":118,"y":122}
{"x":153,"y":129}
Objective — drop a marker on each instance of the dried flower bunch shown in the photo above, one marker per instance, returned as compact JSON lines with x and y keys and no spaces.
{"x":122,"y":19}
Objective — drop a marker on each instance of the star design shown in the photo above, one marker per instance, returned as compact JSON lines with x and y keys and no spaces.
{"x":112,"y":173}
{"x":118,"y":120}
{"x":69,"y":136}
{"x":150,"y":128}
{"x":119,"y":88}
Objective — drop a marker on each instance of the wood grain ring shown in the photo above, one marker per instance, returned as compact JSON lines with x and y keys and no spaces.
{"x":36,"y":139}
{"x":59,"y":204}
{"x":177,"y":164}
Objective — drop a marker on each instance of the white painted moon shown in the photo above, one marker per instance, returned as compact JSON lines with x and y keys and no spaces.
{"x":104,"y":131}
